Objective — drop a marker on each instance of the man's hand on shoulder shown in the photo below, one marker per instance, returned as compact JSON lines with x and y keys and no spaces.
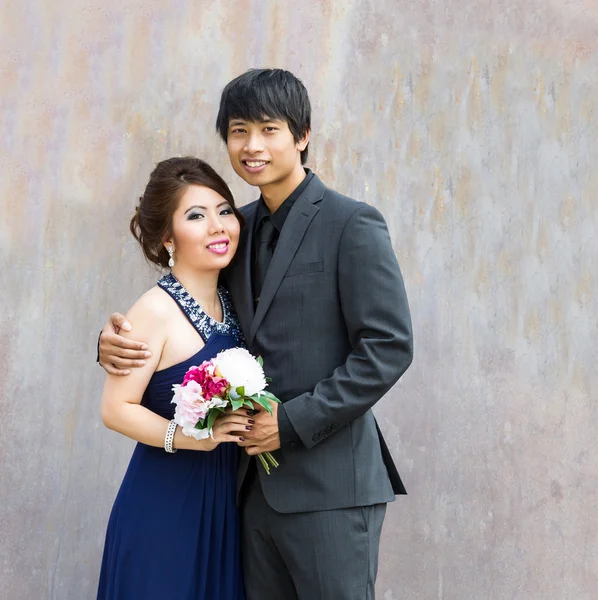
{"x":118,"y":354}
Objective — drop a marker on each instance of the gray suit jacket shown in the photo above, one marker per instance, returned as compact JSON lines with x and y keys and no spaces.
{"x":334,"y":330}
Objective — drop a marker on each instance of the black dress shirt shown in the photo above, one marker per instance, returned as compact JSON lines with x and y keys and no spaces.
{"x":279,"y":216}
{"x":285,"y":429}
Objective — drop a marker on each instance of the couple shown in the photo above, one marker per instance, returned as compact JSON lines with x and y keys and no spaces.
{"x":307,"y":279}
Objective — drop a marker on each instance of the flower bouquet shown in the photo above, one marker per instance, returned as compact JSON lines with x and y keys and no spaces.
{"x":233,"y":379}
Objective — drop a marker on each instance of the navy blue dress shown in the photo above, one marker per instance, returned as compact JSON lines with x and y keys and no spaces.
{"x":173,"y":532}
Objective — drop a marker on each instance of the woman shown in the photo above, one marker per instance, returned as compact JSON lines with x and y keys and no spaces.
{"x":173,"y":530}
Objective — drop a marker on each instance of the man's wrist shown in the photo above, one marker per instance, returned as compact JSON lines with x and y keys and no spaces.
{"x":286,"y":432}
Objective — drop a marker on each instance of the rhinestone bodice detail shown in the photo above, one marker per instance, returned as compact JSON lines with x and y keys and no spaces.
{"x":204,"y":323}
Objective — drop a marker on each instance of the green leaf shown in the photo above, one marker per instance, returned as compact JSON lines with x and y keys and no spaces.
{"x":237,"y":404}
{"x":249,"y":404}
{"x":265,"y":403}
{"x":270,"y":396}
{"x":212,"y":416}
{"x":260,"y":361}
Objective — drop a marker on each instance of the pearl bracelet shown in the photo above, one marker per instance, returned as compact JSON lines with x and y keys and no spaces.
{"x":169,"y":437}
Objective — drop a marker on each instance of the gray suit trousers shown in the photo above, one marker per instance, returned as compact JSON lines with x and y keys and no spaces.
{"x":321,"y":555}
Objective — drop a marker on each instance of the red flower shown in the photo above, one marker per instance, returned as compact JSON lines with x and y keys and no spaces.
{"x":211,"y":384}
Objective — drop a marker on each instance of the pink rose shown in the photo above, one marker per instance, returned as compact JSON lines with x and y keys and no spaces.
{"x":191,"y":405}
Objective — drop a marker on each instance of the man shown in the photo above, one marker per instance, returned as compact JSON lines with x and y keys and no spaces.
{"x":320,"y":297}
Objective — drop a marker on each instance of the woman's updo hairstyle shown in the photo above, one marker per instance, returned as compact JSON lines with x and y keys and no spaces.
{"x":152,"y":222}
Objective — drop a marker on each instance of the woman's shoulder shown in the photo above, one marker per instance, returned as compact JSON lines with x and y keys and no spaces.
{"x":153,"y":307}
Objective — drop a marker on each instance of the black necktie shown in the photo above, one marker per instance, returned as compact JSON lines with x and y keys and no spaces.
{"x":263,"y":255}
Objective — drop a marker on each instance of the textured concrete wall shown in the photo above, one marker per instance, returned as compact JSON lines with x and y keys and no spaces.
{"x":470,"y":123}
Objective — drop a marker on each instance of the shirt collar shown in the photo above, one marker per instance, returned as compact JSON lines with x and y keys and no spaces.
{"x":280,"y":216}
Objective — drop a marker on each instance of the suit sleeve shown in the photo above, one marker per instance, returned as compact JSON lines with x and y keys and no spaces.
{"x":376,"y":313}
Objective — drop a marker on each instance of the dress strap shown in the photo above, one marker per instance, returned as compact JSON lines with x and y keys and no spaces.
{"x":203,"y":323}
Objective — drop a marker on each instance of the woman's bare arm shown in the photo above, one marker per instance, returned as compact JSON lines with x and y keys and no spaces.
{"x":121,"y":409}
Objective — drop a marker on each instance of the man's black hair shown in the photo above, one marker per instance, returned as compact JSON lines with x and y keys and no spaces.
{"x":269,"y":93}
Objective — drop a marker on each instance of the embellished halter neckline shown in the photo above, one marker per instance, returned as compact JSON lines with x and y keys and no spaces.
{"x":202,"y":321}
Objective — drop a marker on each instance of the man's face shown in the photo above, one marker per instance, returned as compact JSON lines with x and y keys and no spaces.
{"x":265,"y":152}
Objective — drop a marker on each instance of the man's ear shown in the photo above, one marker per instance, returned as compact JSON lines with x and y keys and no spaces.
{"x":302,"y":143}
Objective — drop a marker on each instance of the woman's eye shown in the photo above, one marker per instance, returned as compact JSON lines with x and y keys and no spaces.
{"x":227,"y":211}
{"x":195,"y":216}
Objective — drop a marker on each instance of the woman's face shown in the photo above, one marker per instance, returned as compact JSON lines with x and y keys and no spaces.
{"x":205,"y":230}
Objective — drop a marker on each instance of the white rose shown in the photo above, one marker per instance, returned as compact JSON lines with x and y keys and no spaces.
{"x":241,"y":369}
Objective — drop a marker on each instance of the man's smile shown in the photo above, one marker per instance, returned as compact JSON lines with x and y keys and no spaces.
{"x":255,"y":166}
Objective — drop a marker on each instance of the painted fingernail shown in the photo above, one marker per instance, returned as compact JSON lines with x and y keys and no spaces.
{"x":127,"y":326}
{"x":249,"y":413}
{"x":252,"y":421}
{"x":248,"y":427}
{"x":242,"y":439}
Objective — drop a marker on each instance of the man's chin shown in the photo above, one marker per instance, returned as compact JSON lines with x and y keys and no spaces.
{"x":255,"y":179}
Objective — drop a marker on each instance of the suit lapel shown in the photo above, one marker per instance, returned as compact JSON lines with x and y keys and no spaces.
{"x":291,"y":236}
{"x":239,"y":273}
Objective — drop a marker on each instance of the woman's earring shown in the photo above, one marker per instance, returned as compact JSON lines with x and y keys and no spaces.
{"x":171,"y":253}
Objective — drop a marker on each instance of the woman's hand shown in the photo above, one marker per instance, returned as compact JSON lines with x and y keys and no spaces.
{"x":231,"y":426}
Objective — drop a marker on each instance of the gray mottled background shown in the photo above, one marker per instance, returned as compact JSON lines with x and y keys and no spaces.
{"x":470,"y":123}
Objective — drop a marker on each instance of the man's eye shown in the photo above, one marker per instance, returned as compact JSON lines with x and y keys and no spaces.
{"x":270,"y":129}
{"x":238,"y":131}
